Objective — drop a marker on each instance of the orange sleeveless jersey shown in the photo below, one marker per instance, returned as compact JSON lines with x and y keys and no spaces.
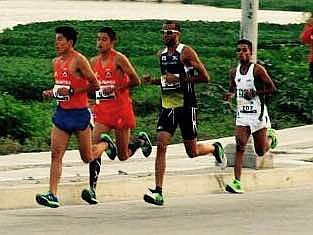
{"x":118,"y":111}
{"x":64,"y":77}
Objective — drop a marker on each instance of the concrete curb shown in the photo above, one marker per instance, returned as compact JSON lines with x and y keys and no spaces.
{"x":22,"y":176}
{"x":177,"y":185}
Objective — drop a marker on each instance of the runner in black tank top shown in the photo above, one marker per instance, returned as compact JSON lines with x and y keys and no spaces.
{"x":180,"y":69}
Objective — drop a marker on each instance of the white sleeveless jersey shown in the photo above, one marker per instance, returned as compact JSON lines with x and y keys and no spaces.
{"x":247,"y":108}
{"x":249,"y":112}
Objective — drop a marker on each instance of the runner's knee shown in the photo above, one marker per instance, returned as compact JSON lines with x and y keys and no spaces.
{"x":87,"y":158}
{"x":122,"y":156}
{"x":161,"y":146}
{"x":57,"y":154}
{"x":191,"y":153}
{"x":260,"y":151}
{"x":122,"y":152}
{"x":240,"y":146}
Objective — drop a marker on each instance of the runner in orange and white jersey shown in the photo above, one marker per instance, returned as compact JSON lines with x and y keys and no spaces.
{"x":73,"y":78}
{"x":113,"y":109}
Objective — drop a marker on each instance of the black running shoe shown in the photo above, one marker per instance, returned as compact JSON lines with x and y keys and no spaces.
{"x":155,"y":198}
{"x":111,"y":150}
{"x":89,"y":195}
{"x":47,"y":199}
{"x":147,"y":146}
{"x":219,"y":155}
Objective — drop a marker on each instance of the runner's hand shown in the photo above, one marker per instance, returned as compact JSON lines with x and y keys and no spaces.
{"x":171,"y":78}
{"x":111,"y":89}
{"x":248,"y":95}
{"x":63,"y":91}
{"x":228,"y":96}
{"x":146,"y":79}
{"x":47,"y":93}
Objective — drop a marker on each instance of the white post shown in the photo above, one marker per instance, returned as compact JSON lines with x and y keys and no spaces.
{"x":249,"y":23}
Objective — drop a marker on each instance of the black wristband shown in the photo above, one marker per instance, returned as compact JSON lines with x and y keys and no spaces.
{"x":71,"y":91}
{"x":91,"y":95}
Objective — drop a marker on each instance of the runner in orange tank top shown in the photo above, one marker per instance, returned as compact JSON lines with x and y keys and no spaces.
{"x":113,"y":102}
{"x":65,"y":78}
{"x":73,"y":78}
{"x":113,"y":109}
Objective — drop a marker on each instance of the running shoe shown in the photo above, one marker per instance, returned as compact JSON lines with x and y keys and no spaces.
{"x":146,"y":148}
{"x":271,"y":134}
{"x":111,"y":150}
{"x":89,"y":195}
{"x":155,"y":198}
{"x":221,"y":159}
{"x":47,"y":199}
{"x":234,"y":187}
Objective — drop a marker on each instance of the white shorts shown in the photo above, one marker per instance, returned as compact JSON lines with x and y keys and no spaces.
{"x":254,"y":122}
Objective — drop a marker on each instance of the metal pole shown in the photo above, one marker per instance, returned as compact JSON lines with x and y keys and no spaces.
{"x":249,"y":24}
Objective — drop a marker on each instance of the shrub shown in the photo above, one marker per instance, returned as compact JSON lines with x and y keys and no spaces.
{"x":9,"y":146}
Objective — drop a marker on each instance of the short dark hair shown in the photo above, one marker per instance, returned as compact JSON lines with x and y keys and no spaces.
{"x":68,"y":32}
{"x":177,"y":25}
{"x":245,"y":42}
{"x":109,"y":31}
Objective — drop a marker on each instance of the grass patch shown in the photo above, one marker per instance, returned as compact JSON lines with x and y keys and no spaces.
{"x":25,"y":71}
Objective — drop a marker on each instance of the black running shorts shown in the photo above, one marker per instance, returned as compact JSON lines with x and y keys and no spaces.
{"x":186,"y":118}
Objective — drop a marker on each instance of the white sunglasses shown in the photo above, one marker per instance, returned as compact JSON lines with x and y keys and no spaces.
{"x":169,"y":31}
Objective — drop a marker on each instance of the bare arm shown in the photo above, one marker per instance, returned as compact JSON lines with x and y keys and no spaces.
{"x":232,"y":86}
{"x":126,"y":67}
{"x":265,"y":85}
{"x":93,"y":61}
{"x":191,"y":58}
{"x":147,"y":79}
{"x":49,"y":92}
{"x":84,"y":67}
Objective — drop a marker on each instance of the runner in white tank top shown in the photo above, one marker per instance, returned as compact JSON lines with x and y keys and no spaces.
{"x":249,"y":82}
{"x":249,"y":111}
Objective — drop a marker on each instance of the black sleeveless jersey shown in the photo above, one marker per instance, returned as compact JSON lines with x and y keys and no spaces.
{"x":180,"y":94}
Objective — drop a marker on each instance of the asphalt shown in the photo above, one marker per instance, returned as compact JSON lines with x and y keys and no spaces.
{"x":24,"y":175}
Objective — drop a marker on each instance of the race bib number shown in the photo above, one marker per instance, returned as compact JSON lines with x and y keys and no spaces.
{"x":248,"y":109}
{"x":106,"y":92}
{"x":245,"y":106}
{"x":58,"y":96}
{"x":169,"y":86}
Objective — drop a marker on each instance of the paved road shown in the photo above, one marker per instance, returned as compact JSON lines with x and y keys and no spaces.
{"x":13,"y":12}
{"x":258,"y":213}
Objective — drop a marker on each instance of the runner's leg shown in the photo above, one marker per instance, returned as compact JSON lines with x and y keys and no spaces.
{"x":163,"y":139}
{"x":59,"y":142}
{"x":98,"y":149}
{"x":85,"y":145}
{"x":260,"y":140}
{"x":122,"y":142}
{"x":242,"y":134}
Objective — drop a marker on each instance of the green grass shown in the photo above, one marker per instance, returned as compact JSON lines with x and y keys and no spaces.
{"x":25,"y":71}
